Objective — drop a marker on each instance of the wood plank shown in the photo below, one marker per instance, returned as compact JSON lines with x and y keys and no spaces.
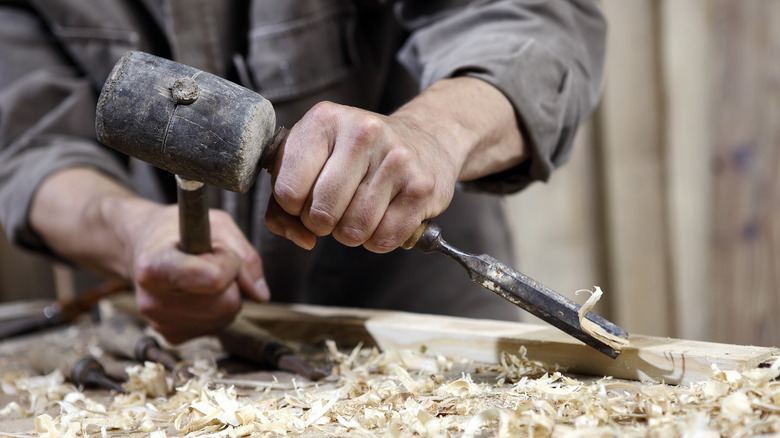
{"x":672,"y":361}
{"x":630,"y":130}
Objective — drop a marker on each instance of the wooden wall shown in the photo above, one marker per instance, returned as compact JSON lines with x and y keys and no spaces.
{"x":672,"y":202}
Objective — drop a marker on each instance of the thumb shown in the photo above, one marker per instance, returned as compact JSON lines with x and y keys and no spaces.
{"x":251,"y":279}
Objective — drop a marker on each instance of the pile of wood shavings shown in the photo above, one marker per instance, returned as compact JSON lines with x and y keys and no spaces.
{"x":418,"y":393}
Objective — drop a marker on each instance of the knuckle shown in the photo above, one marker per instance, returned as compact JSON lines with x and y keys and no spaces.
{"x":400,"y":158}
{"x":212,"y":280}
{"x":420,"y":187}
{"x":368,"y":129}
{"x":290,"y":199}
{"x":350,"y":236}
{"x":320,"y":216}
{"x":381,"y":245}
{"x":145,"y":271}
{"x":252,"y":258}
{"x":323,"y":108}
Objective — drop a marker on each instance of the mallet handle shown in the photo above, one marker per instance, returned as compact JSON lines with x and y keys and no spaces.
{"x":194,"y":226}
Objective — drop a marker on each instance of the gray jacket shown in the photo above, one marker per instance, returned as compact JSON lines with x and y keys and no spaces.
{"x":545,"y":56}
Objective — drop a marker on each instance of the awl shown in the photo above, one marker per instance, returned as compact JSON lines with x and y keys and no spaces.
{"x":519,"y":289}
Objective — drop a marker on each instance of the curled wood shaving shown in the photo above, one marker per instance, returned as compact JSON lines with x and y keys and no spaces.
{"x":617,"y":343}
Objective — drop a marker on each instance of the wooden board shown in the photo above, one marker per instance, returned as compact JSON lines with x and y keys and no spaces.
{"x":667,"y":360}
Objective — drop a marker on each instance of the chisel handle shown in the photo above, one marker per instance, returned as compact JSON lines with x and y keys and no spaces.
{"x":81,"y":369}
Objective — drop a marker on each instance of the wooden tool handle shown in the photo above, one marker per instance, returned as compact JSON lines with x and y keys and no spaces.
{"x":414,"y":238}
{"x":120,"y":334}
{"x":46,"y":357}
{"x":250,"y":342}
{"x":194,"y":226}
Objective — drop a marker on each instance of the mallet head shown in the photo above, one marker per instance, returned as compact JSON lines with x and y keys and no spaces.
{"x":184,"y":120}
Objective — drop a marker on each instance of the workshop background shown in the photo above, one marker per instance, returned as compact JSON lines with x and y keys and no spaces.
{"x":671,"y":203}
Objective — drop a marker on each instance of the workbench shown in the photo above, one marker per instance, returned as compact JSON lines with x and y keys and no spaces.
{"x":403,"y":374}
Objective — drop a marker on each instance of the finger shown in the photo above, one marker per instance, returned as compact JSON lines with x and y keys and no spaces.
{"x":365,"y":212}
{"x":394,"y":171}
{"x":172,"y":270}
{"x":401,"y":220}
{"x":335,"y":188}
{"x":251,"y":278}
{"x":288,"y":226}
{"x":302,"y":156}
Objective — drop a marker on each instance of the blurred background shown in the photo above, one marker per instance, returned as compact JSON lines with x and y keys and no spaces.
{"x":671,"y":202}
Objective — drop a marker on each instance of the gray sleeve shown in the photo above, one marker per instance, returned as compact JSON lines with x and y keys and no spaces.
{"x":546,"y":57}
{"x":47,"y":116}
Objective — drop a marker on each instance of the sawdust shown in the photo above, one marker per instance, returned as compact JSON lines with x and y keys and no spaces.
{"x":411,"y":393}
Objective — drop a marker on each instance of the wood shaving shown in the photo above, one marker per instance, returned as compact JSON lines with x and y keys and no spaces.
{"x":617,"y":343}
{"x":419,"y":393}
{"x":149,"y":379}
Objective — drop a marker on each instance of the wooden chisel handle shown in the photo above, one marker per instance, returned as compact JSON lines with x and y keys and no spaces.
{"x":81,"y":369}
{"x":414,"y":238}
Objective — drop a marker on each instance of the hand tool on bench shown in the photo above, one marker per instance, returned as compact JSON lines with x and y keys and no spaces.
{"x":81,"y":369}
{"x":122,"y":335}
{"x":225,"y":134}
{"x":248,"y":341}
{"x":60,"y":312}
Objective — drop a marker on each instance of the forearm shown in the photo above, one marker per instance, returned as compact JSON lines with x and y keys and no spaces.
{"x":473,"y":122}
{"x":77,"y":212}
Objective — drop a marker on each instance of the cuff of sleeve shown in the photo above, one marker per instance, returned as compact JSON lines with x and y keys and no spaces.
{"x":538,"y":86}
{"x":544,"y":73}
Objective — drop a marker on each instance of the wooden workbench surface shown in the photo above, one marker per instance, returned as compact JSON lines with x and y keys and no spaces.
{"x":416,"y":375}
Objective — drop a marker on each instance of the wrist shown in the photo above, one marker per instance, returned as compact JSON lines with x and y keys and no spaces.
{"x":121,"y":216}
{"x":474,"y":124}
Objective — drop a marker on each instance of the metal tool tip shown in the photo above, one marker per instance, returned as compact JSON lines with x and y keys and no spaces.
{"x":101,"y":380}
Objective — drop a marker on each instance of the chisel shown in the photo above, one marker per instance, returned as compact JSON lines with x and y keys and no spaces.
{"x":81,"y":369}
{"x":519,"y":289}
{"x":122,"y":335}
